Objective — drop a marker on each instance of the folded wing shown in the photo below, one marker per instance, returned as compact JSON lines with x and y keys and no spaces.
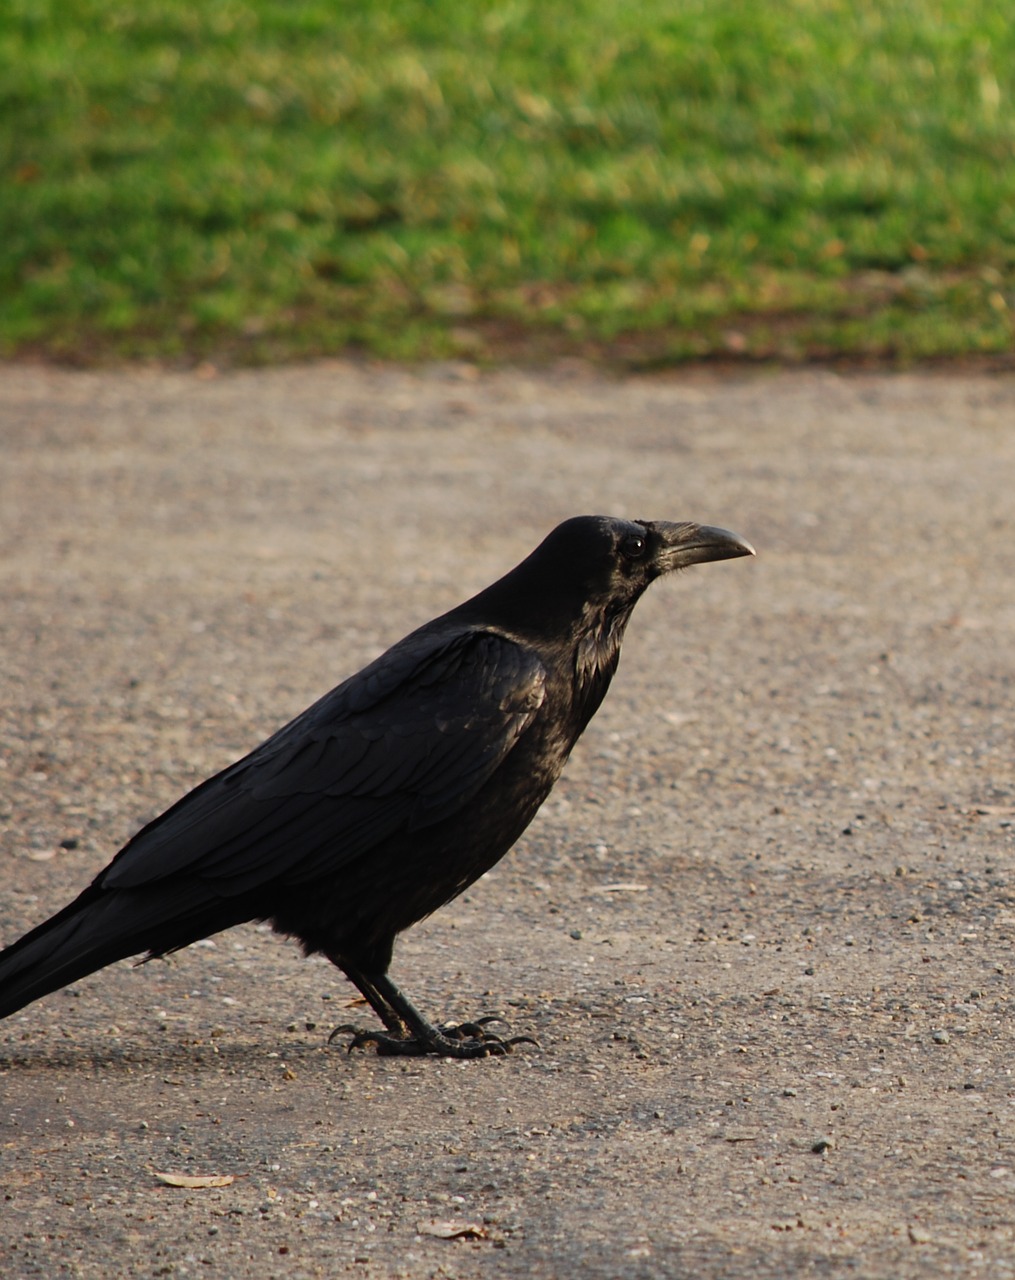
{"x":403,"y":744}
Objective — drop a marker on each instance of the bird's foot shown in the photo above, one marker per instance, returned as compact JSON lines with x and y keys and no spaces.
{"x":465,"y":1040}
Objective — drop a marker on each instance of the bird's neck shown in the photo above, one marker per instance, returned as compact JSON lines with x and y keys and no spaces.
{"x":596,"y":654}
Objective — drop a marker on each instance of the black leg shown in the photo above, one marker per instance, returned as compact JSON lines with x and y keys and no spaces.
{"x":389,"y":1016}
{"x":409,"y":1033}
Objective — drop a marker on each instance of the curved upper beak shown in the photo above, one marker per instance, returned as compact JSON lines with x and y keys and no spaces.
{"x":688,"y":543}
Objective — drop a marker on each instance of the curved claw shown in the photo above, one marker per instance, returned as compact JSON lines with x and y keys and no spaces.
{"x":387,"y":1046}
{"x":495,"y":1045}
{"x":345,"y":1029}
{"x":364,"y":1037}
{"x":386,"y":1043}
{"x":476,"y":1028}
{"x":523,"y":1040}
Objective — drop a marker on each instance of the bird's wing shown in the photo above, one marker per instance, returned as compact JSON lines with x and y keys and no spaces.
{"x":402,"y":744}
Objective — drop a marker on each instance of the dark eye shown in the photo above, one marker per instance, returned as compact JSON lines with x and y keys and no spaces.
{"x":633,"y":546}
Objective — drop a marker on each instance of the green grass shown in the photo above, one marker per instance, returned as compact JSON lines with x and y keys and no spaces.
{"x":653,"y":180}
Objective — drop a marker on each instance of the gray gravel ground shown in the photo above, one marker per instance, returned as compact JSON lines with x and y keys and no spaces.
{"x":762,"y":930}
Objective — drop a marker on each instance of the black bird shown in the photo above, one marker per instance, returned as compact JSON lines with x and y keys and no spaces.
{"x":390,"y":795}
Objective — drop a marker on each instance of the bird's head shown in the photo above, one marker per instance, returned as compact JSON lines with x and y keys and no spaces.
{"x":617,"y":559}
{"x":598,"y":566}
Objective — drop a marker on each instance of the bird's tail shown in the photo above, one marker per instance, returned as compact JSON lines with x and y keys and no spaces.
{"x":98,"y":928}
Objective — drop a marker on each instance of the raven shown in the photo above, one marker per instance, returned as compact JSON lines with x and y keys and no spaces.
{"x":391,"y":794}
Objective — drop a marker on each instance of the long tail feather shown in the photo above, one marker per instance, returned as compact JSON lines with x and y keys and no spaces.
{"x":100,"y":927}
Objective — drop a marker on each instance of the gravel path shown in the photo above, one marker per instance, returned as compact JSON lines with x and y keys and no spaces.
{"x":762,"y":930}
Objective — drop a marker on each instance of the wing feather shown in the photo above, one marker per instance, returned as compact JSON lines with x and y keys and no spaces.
{"x":401,"y":745}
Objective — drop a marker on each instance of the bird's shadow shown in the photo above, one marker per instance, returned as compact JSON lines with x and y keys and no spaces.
{"x":151,"y":1057}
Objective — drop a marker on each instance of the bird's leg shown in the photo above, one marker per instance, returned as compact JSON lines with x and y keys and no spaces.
{"x":409,"y":1033}
{"x":397,"y":1027}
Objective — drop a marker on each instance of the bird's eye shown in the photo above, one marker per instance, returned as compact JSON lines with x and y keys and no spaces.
{"x":633,"y":546}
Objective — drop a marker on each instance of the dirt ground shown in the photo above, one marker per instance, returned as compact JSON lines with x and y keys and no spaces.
{"x":761,"y":930}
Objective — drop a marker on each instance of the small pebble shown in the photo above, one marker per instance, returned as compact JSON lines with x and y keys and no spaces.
{"x":822,"y":1145}
{"x":941,"y":1037}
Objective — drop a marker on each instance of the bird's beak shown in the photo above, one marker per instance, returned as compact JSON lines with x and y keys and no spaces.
{"x":687,"y":543}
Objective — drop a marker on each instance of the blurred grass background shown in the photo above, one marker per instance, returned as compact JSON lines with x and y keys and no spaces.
{"x":646,"y":181}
